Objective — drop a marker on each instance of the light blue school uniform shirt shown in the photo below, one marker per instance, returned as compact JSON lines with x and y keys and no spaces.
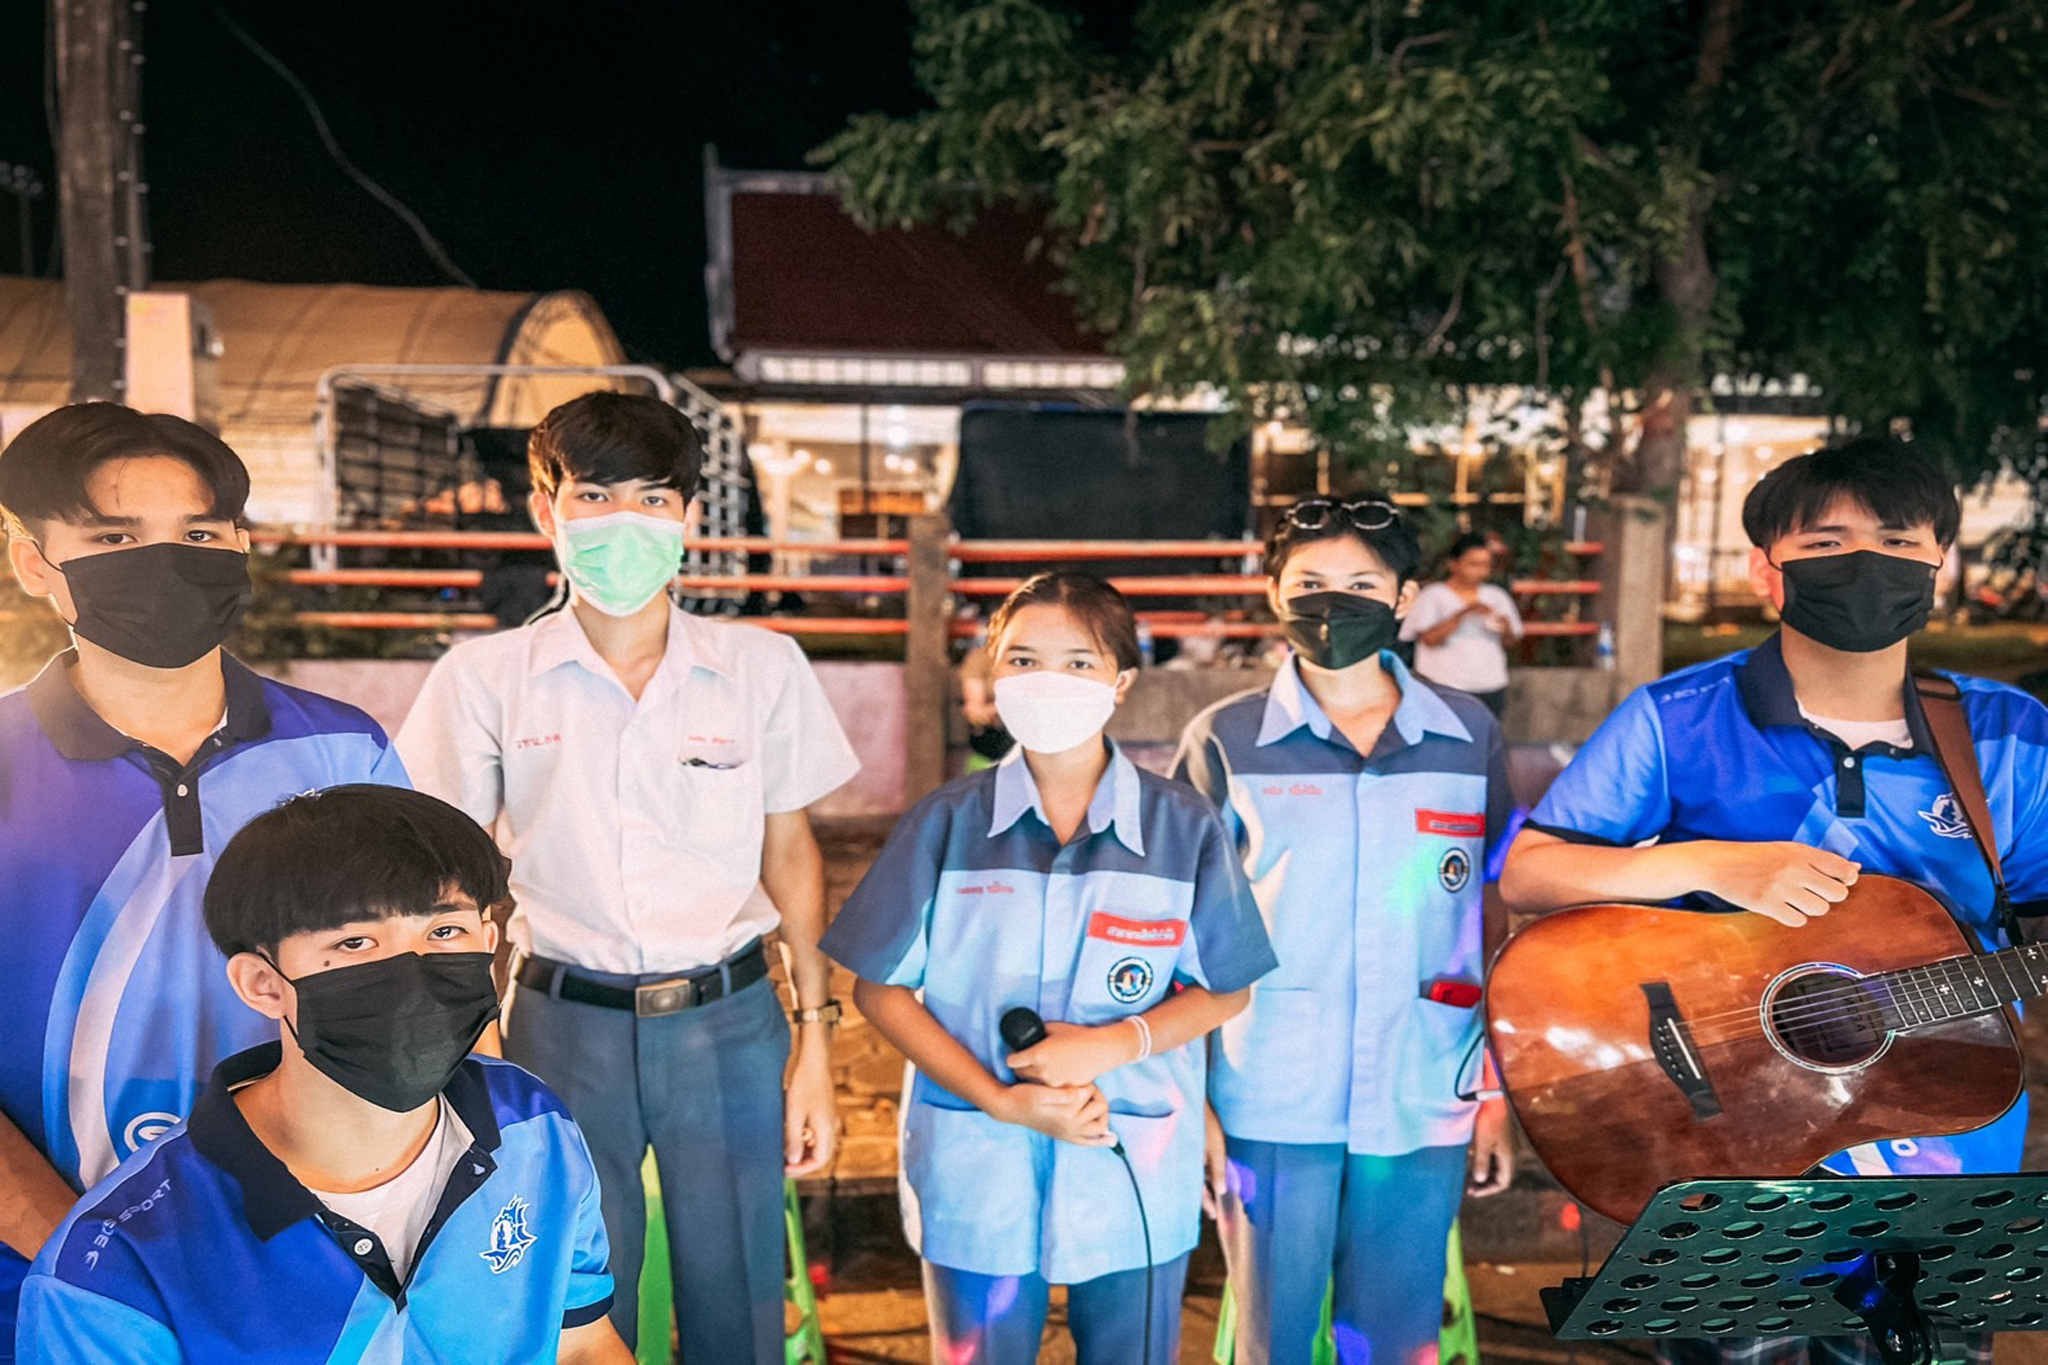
{"x":1368,"y":869}
{"x":974,"y":902}
{"x":114,"y":1003}
{"x":1721,"y":751}
{"x":205,"y":1248}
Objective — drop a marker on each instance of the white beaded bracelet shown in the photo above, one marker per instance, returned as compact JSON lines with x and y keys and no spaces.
{"x":1144,"y":1037}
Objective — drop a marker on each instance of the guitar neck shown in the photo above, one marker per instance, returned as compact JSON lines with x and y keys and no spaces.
{"x":1957,"y":987}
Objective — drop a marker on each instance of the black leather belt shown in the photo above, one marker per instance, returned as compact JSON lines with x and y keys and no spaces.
{"x":671,"y":995}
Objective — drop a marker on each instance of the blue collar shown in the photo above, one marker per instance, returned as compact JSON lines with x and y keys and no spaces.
{"x":1765,"y":686}
{"x":1114,"y":805}
{"x":272,"y":1197}
{"x":1289,"y":707}
{"x":76,"y":731}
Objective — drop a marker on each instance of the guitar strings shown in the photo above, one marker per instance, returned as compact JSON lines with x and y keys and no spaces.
{"x":1917,"y":987}
{"x":1915,"y":983}
{"x":1921,"y":993}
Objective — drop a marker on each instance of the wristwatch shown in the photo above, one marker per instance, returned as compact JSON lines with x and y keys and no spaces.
{"x":828,"y":1012}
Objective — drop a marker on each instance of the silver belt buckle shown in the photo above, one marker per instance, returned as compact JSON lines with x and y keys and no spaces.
{"x":663,"y":997}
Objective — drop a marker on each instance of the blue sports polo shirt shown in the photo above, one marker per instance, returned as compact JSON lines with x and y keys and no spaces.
{"x":205,"y":1248}
{"x":114,"y":1002}
{"x":1720,"y":751}
{"x":975,"y":902}
{"x":1369,"y":871}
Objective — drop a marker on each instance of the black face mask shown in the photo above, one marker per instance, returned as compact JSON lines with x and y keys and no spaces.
{"x":393,"y":1031}
{"x":161,"y":606}
{"x":1335,"y":630}
{"x":1859,"y":602}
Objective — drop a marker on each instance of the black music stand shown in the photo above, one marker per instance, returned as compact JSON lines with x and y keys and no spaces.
{"x":1900,"y":1257}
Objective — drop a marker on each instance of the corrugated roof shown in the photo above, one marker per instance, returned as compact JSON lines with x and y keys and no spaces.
{"x":277,"y":339}
{"x":791,"y":272}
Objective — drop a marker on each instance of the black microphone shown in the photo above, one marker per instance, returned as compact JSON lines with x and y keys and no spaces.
{"x":1021,"y":1028}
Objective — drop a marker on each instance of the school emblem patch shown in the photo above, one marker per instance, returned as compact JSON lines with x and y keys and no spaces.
{"x":1946,"y":819}
{"x":509,"y":1237}
{"x":1454,"y":869}
{"x":1129,"y":979}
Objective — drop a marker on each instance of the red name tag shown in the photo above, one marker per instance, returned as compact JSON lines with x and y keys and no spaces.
{"x":1450,"y":823}
{"x":1139,"y":933}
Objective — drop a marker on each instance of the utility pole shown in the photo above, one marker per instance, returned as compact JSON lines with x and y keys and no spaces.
{"x":100,"y":187}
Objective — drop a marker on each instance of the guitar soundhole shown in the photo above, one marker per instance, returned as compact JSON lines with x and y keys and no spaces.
{"x":1826,"y":1019}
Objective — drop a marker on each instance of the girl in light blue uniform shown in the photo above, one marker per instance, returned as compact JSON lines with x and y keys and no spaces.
{"x":1108,"y":902}
{"x":1364,"y":802}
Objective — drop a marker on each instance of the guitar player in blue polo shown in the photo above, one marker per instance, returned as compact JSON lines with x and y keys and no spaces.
{"x":1770,"y":779}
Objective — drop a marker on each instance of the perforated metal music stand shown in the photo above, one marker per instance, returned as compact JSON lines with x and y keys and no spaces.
{"x":1902,"y":1258}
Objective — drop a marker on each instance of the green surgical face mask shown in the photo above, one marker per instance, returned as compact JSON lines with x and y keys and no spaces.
{"x":619,"y":562}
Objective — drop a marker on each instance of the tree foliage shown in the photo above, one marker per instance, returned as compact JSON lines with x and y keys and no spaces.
{"x":1361,"y":212}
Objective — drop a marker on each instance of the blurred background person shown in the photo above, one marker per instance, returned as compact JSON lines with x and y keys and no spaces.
{"x":1462,"y":626}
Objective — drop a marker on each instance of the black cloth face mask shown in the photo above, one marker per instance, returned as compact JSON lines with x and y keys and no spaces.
{"x":1859,"y":602}
{"x":1335,"y":630}
{"x":161,"y":606}
{"x":393,"y":1031}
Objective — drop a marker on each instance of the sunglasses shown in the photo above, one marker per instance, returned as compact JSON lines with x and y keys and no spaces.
{"x":1319,"y":514}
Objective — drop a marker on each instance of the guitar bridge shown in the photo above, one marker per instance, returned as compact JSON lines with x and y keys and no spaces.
{"x":1671,"y":1043}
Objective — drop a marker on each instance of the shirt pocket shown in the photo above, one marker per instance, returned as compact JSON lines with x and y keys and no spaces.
{"x":975,"y":1189}
{"x":721,"y":802}
{"x":1438,"y":1046}
{"x":1125,"y":967}
{"x":1285,"y":1053}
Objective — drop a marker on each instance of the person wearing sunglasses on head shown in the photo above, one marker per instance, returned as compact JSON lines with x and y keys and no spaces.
{"x":1364,"y":802}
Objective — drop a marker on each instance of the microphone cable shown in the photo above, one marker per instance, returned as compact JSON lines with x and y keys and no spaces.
{"x":1021,"y":1028}
{"x":1145,"y":1231}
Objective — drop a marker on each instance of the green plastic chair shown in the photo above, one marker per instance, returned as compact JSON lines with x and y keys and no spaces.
{"x":1457,"y":1343}
{"x":804,"y":1346}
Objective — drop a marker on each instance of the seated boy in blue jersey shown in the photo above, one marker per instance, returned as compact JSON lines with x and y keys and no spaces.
{"x":1066,"y":882}
{"x":1771,"y":778}
{"x":124,"y":768}
{"x":360,"y":1188}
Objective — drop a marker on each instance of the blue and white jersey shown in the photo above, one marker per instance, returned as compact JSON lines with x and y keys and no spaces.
{"x":1369,"y":870}
{"x":204,"y":1248}
{"x":1721,"y":751}
{"x":975,"y":903}
{"x":114,"y":1002}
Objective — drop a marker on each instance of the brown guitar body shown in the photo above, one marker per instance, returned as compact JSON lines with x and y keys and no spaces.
{"x":1571,"y":1025}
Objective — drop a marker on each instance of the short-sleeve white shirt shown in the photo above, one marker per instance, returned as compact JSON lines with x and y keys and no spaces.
{"x":634,"y":828}
{"x":1475,"y":658}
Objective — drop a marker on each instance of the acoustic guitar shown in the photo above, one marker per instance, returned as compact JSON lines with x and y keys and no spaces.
{"x":1641,"y":1046}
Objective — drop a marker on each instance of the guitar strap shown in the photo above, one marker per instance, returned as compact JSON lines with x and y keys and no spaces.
{"x":1941,"y":702}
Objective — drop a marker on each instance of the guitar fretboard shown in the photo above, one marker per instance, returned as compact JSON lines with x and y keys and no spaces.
{"x":1957,"y":987}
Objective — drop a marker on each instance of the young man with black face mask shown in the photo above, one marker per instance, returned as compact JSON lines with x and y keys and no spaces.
{"x":1364,"y":802}
{"x":1770,"y":779}
{"x":124,"y":769}
{"x":407,"y":1200}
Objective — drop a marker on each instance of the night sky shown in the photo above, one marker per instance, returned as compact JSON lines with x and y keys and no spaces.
{"x":546,"y":144}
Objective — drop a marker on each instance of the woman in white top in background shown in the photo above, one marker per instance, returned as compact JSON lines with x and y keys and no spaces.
{"x":1462,"y":627}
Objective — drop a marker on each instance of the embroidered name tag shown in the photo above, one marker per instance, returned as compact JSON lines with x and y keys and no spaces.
{"x":1143,"y":933}
{"x":1450,"y":823}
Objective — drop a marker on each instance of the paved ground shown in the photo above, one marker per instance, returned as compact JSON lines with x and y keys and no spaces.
{"x":1516,"y":1244}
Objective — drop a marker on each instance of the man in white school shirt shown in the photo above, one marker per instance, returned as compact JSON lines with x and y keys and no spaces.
{"x":648,"y":775}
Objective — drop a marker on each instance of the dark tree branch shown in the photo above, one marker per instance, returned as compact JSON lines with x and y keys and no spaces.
{"x":1406,"y":45}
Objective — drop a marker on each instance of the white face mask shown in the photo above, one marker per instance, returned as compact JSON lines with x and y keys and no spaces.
{"x":1050,"y":713}
{"x":620,"y":561}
